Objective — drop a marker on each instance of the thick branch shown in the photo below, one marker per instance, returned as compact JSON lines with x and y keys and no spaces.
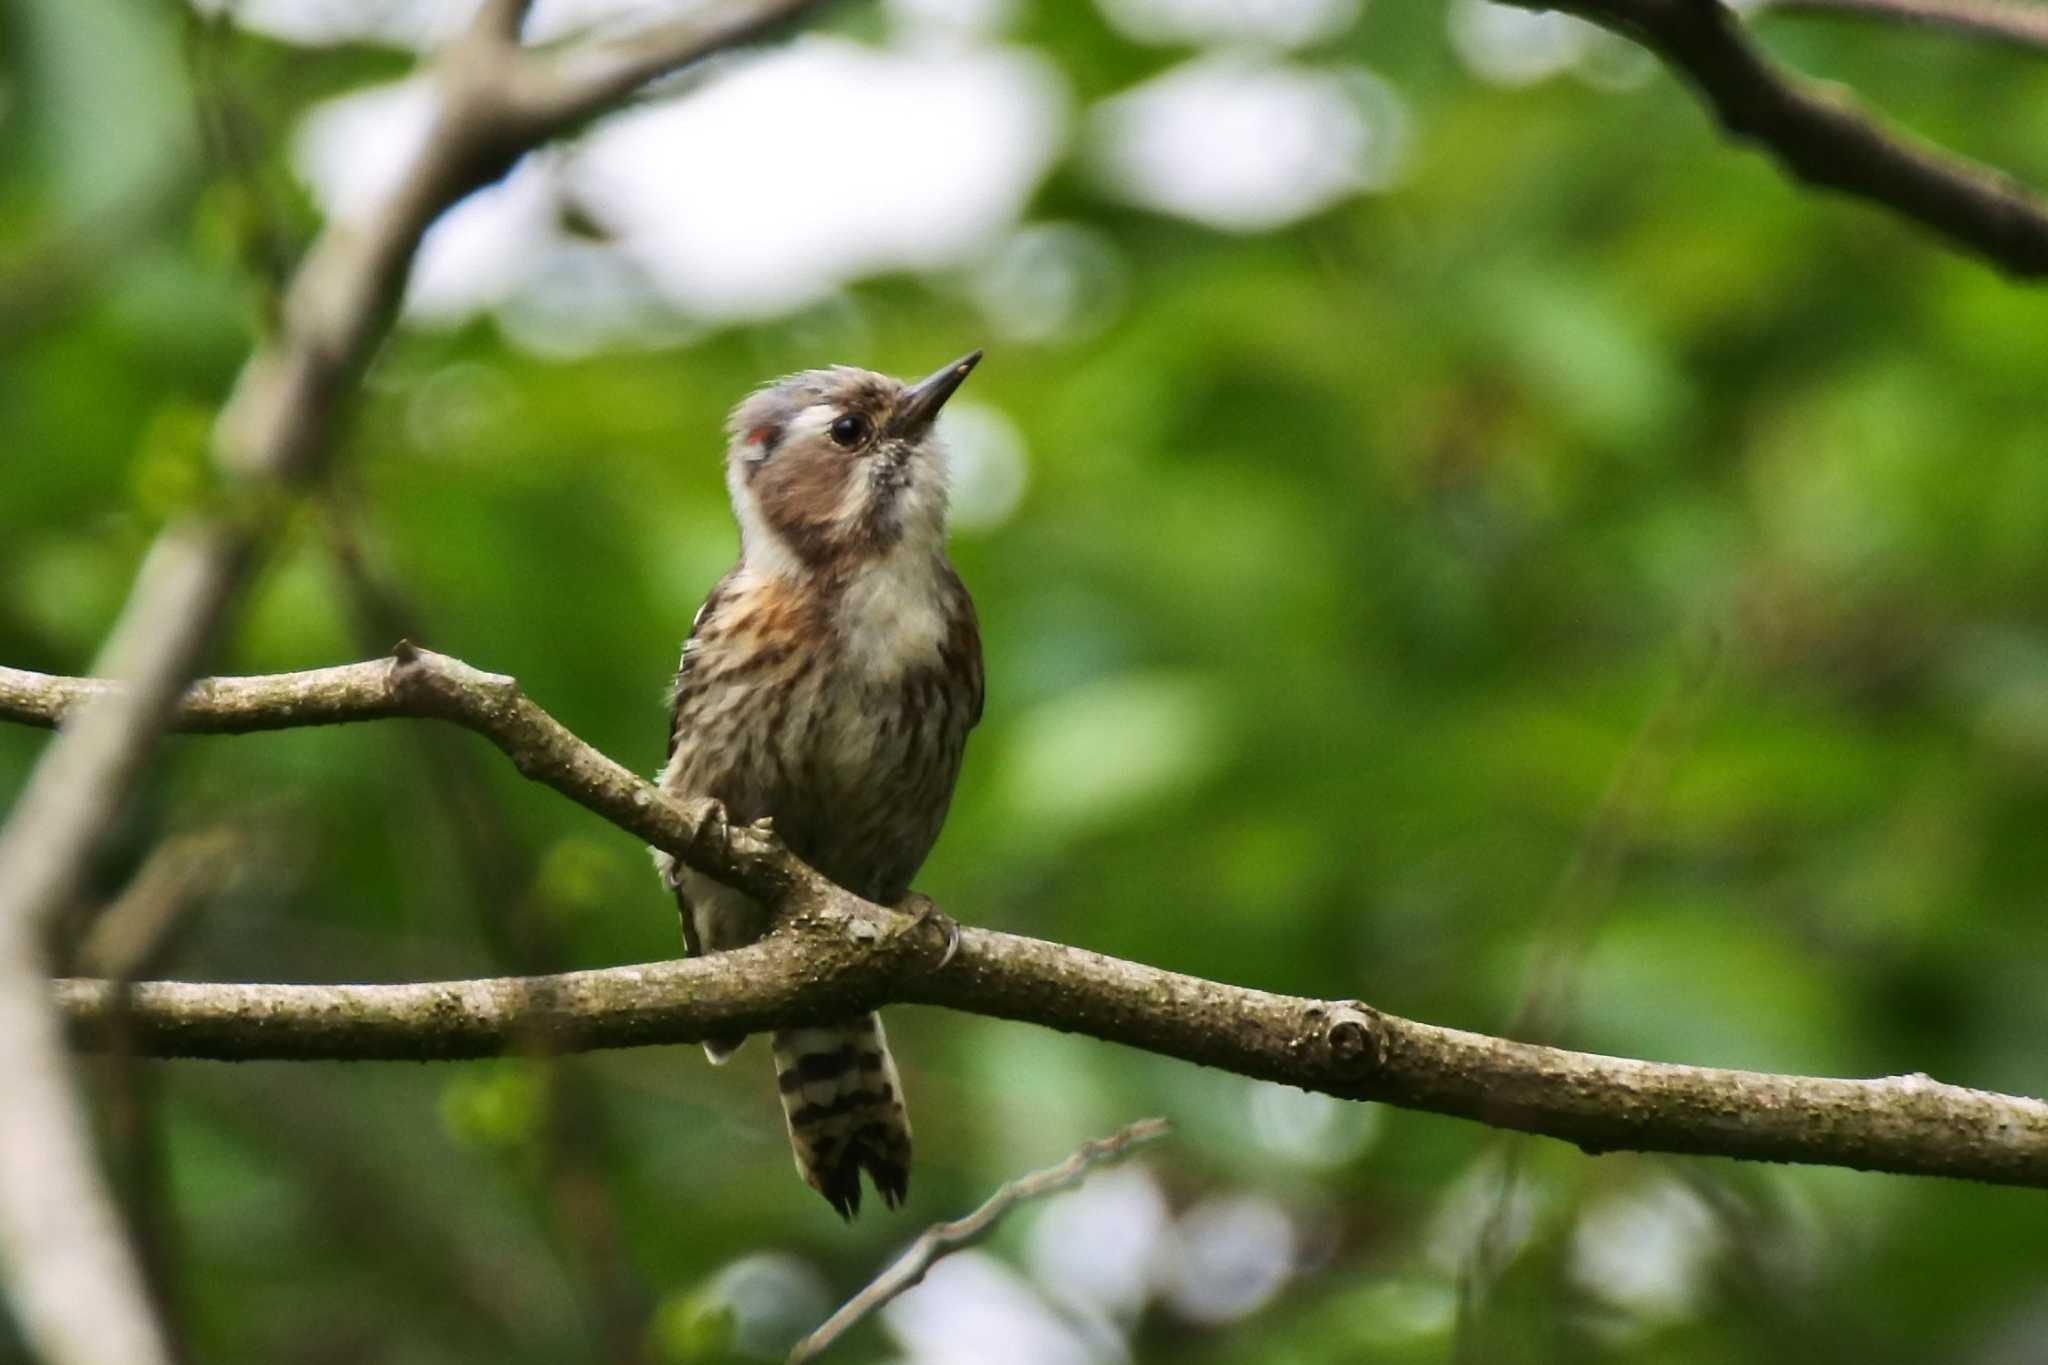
{"x":847,"y":956}
{"x":1819,"y":135}
{"x":838,"y":955}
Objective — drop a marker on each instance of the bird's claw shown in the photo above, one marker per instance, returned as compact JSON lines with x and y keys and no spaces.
{"x":923,"y":911}
{"x":714,"y":831}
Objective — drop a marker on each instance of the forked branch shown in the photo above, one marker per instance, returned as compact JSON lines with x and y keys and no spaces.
{"x":836,"y":954}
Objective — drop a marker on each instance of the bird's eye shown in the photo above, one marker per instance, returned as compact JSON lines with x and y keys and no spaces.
{"x":850,"y":430}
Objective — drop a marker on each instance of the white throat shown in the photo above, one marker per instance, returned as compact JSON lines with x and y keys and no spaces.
{"x":892,"y":612}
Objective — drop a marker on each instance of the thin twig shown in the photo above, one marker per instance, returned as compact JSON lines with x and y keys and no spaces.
{"x":129,"y":938}
{"x":838,"y":955}
{"x":2022,"y":25}
{"x":589,"y":78}
{"x":1563,"y":934}
{"x":134,"y":936}
{"x":1567,"y":926}
{"x":941,"y":1238}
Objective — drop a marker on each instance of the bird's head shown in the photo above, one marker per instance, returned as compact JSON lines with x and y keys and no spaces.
{"x":839,"y":465}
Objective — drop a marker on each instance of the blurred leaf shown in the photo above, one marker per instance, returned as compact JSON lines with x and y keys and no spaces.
{"x":496,"y":1106}
{"x":112,"y":105}
{"x":1094,"y":754}
{"x":690,"y":1329}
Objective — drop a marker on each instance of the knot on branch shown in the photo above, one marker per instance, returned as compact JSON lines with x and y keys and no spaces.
{"x":442,"y":686}
{"x":1356,"y":1042}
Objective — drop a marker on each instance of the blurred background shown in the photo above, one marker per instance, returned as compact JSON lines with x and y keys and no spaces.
{"x":1448,"y":530}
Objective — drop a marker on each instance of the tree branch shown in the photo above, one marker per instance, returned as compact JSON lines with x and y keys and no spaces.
{"x":420,"y":683}
{"x":2021,"y":25}
{"x":840,"y":959}
{"x":562,"y":91}
{"x":77,"y":1287}
{"x":1820,"y":136}
{"x":79,"y":1294}
{"x":835,"y":954}
{"x":907,"y":1270}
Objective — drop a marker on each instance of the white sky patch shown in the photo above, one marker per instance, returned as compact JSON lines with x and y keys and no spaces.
{"x":971,"y":1309}
{"x":1648,"y":1251}
{"x":1233,"y":1255}
{"x":1096,"y":1246}
{"x":354,"y":150}
{"x":488,"y":246}
{"x":1277,"y":23}
{"x":423,"y":25}
{"x":1509,"y":46}
{"x":318,"y":23}
{"x":1309,"y":1129}
{"x":820,"y":163}
{"x":1247,"y":143}
{"x":758,"y":194}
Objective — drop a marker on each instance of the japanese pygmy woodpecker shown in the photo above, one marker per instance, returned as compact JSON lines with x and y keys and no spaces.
{"x":828,"y":684}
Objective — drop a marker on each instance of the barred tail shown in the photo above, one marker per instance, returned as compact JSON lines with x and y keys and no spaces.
{"x":844,"y":1104}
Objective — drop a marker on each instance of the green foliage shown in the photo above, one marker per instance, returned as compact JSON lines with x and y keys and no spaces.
{"x":1352,"y":562}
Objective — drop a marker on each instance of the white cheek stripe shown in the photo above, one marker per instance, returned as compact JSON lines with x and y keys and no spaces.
{"x":762,"y":549}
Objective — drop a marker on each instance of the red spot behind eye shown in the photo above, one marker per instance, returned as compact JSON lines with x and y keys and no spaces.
{"x":758,"y":435}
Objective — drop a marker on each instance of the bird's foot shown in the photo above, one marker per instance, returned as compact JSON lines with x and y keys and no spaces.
{"x":729,"y":845}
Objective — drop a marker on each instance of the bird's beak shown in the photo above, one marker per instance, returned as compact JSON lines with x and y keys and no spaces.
{"x":924,"y":400}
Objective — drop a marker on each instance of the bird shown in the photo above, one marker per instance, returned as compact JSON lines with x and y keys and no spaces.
{"x":827,"y":687}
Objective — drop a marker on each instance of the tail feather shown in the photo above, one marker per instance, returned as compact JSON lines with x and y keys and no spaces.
{"x":843,"y":1101}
